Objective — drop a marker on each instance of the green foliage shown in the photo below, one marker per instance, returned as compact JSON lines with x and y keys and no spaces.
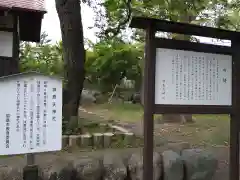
{"x":215,"y":13}
{"x":110,"y":60}
{"x":112,"y":17}
{"x":201,"y":12}
{"x":113,"y":58}
{"x":229,"y":17}
{"x":42,"y":57}
{"x":106,"y":63}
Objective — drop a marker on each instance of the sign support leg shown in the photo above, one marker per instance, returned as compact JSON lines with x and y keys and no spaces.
{"x":149,"y":94}
{"x":234,"y":149}
{"x":30,"y":172}
{"x":30,"y":159}
{"x":234,"y":122}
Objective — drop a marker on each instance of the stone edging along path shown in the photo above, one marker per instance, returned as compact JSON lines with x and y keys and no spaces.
{"x":187,"y":164}
{"x":98,"y":140}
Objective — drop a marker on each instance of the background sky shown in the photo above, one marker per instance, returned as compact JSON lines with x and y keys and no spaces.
{"x":51,"y":25}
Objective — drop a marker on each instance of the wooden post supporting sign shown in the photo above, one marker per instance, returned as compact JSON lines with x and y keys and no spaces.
{"x":149,"y":103}
{"x":234,"y":124}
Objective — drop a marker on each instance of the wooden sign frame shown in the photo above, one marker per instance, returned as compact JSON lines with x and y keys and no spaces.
{"x":150,"y":108}
{"x":196,"y":47}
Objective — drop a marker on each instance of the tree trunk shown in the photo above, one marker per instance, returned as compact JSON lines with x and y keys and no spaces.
{"x":69,"y":13}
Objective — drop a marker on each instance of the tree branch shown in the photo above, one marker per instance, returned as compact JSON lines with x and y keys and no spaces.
{"x":116,"y":31}
{"x":61,"y":3}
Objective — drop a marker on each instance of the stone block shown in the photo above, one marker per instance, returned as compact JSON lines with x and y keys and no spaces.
{"x":200,"y":164}
{"x":74,"y":141}
{"x":172,"y":166}
{"x":107,"y":139}
{"x":86,"y":140}
{"x":65,"y":141}
{"x":98,"y":140}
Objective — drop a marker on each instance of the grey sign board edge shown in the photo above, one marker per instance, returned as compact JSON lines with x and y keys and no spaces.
{"x":27,"y":74}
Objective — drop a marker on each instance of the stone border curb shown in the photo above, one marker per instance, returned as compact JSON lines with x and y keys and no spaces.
{"x":96,"y":140}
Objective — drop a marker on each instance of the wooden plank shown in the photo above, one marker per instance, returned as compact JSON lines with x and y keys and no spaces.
{"x":192,"y":46}
{"x":149,"y":96}
{"x":191,"y":109}
{"x":197,"y":47}
{"x":234,"y":122}
{"x":183,"y":28}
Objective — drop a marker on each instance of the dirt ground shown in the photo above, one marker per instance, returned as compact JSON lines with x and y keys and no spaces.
{"x":210,"y":132}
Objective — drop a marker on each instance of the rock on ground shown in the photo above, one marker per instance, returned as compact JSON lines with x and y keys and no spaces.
{"x":172,"y":162}
{"x":87,"y":97}
{"x":10,"y":173}
{"x":135,"y":166}
{"x":88,"y":168}
{"x":109,"y":164}
{"x":114,"y":168}
{"x":199,"y":164}
{"x":60,"y":170}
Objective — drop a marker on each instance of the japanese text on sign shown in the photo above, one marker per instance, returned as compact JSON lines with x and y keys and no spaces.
{"x":32,"y":113}
{"x":192,"y":78}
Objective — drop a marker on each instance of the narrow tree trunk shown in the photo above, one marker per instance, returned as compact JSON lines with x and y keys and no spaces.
{"x":69,"y":13}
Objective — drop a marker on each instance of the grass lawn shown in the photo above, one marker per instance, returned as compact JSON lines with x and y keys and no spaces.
{"x":123,"y":112}
{"x":207,"y":130}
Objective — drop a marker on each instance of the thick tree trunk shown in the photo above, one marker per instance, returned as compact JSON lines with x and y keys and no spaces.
{"x":69,"y":13}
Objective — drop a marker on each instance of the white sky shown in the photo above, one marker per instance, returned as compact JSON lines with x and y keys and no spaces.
{"x":51,"y":25}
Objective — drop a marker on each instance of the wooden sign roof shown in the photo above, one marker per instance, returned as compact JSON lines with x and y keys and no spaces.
{"x":30,"y":13}
{"x":30,"y":5}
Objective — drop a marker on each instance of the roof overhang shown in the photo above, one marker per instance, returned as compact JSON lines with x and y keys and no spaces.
{"x":30,"y":22}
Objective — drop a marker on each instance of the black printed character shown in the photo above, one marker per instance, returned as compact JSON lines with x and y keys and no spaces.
{"x":54,"y":96}
{"x":225,"y":80}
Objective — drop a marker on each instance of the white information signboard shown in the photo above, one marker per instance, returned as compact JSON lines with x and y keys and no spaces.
{"x":192,"y":78}
{"x":31,"y":114}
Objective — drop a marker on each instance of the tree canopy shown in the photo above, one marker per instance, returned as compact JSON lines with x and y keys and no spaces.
{"x":112,"y":56}
{"x":119,"y":51}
